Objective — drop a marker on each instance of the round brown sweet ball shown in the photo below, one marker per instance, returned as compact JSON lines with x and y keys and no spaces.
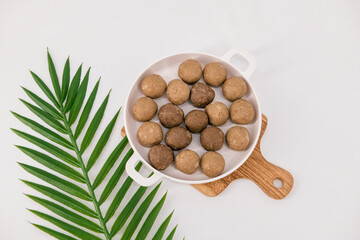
{"x":238,"y":138}
{"x":214,"y":74}
{"x":218,"y":113}
{"x":234,"y":88}
{"x":149,"y":134}
{"x":153,"y":86}
{"x":196,"y":121}
{"x":160,"y":156}
{"x":144,"y":109}
{"x":187,"y":161}
{"x":242,"y":112}
{"x":201,"y":95}
{"x":190,"y":71}
{"x":212,"y":164}
{"x":170,"y":115}
{"x":178,"y":91}
{"x":212,"y":139}
{"x":178,"y":138}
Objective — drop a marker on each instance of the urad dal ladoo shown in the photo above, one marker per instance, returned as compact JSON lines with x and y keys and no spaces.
{"x":190,"y":71}
{"x":196,"y":121}
{"x":212,"y":139}
{"x":144,"y":109}
{"x":187,"y":161}
{"x":160,"y":156}
{"x":178,"y":138}
{"x":234,"y":88}
{"x":153,"y":86}
{"x":238,"y":138}
{"x":178,"y":91}
{"x":170,"y":115}
{"x":214,"y":74}
{"x":201,"y":95}
{"x":212,"y":164}
{"x":149,"y":134}
{"x":218,"y":113}
{"x":242,"y":112}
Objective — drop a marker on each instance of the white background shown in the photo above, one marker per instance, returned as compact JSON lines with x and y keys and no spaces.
{"x":307,"y":81}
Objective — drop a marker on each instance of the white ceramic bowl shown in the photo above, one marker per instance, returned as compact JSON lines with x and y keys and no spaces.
{"x":168,"y":68}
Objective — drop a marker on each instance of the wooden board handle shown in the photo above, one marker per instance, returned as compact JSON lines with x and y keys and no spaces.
{"x":257,"y":169}
{"x":264,"y":175}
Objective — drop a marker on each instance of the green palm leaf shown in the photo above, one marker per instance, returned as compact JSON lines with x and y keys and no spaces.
{"x":149,"y":222}
{"x":128,"y":209}
{"x":65,"y":226}
{"x":62,"y":198}
{"x":43,"y":131}
{"x":67,"y":214}
{"x":94,"y":125}
{"x":101,"y":143}
{"x":66,"y":157}
{"x":53,"y":233}
{"x":115,"y":178}
{"x":119,"y":197}
{"x":110,"y":162}
{"x":43,"y":104}
{"x":172,"y":233}
{"x":129,"y":231}
{"x":74,"y":85}
{"x":79,"y":99}
{"x":44,"y":88}
{"x":46,"y":117}
{"x":60,"y":183}
{"x":71,"y":189}
{"x":86,"y":112}
{"x":65,"y":80}
{"x":160,"y":232}
{"x":54,"y":77}
{"x":53,"y":164}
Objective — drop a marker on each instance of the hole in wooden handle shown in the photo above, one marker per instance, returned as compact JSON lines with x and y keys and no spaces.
{"x":278,"y":183}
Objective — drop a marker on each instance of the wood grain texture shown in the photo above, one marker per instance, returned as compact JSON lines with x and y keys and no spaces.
{"x":257,"y":169}
{"x":123,"y":132}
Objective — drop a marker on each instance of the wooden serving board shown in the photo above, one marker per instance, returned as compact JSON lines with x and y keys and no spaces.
{"x":257,"y":169}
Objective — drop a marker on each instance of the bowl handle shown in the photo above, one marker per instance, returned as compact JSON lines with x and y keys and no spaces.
{"x":245,"y":54}
{"x":137,"y":177}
